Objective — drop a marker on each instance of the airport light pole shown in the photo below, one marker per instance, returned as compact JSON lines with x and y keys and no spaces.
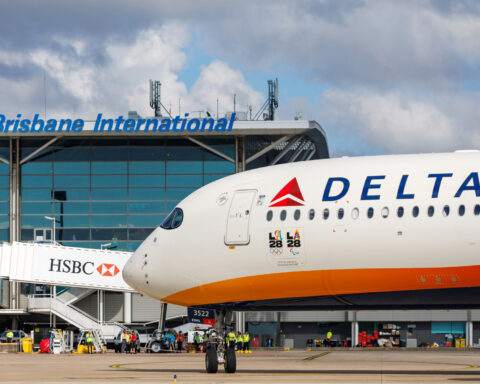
{"x":53,"y":220}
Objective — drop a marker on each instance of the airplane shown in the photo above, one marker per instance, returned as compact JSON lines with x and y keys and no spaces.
{"x":381,"y":232}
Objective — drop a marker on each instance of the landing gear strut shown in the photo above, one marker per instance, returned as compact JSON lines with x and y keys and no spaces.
{"x":217,"y":350}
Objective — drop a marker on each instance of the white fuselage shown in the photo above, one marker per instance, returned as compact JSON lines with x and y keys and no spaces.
{"x":235,"y":245}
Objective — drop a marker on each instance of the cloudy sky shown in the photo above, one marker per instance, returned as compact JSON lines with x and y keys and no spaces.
{"x":379,"y":76}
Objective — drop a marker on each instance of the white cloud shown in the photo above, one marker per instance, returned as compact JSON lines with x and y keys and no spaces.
{"x":219,"y":81}
{"x":401,"y":123}
{"x":119,"y":82}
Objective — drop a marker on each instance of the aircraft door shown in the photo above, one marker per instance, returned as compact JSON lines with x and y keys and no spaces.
{"x":238,"y":221}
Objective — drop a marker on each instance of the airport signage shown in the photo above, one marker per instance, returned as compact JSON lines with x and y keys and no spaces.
{"x":102,"y":125}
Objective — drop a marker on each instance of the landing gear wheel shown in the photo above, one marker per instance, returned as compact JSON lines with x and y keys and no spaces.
{"x":211,"y":360}
{"x":230,"y":361}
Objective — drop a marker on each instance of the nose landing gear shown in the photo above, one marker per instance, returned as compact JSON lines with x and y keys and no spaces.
{"x":218,"y":352}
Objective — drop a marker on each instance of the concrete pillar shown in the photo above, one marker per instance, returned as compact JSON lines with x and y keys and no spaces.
{"x":240,"y":322}
{"x":469,"y":330}
{"x":101,"y":306}
{"x":355,"y":329}
{"x":163,"y":316}
{"x":127,"y":307}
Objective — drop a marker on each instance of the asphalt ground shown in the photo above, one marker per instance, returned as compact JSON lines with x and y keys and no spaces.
{"x":296,"y":366}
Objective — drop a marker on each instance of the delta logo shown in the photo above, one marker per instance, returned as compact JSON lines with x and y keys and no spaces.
{"x":289,"y":196}
{"x":108,"y":269}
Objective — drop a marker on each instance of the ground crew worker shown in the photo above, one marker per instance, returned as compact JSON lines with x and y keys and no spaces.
{"x":246,"y":343}
{"x":124,"y":342}
{"x":329,"y":338}
{"x":127,"y":340}
{"x":9,"y":336}
{"x":196,"y":341}
{"x":231,"y":340}
{"x":205,"y":341}
{"x":89,"y":342}
{"x":239,"y":343}
{"x":133,"y":343}
{"x":172,"y":341}
{"x":179,"y":341}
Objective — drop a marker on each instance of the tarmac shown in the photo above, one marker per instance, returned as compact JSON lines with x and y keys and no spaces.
{"x":295,"y":366}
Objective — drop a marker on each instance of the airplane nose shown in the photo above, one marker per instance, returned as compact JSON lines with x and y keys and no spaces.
{"x":132,"y":272}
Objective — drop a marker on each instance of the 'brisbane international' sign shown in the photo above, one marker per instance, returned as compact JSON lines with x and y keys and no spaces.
{"x":120,"y":124}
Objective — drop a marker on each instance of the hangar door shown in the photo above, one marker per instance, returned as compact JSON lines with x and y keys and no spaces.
{"x":238,"y":221}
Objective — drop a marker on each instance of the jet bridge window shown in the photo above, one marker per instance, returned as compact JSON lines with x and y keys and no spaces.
{"x":461,"y":210}
{"x":173,"y":220}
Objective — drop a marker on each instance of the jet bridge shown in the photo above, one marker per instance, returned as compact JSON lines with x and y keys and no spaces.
{"x":66,"y":266}
{"x":83,"y":269}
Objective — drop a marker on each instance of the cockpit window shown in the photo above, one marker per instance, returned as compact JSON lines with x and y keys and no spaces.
{"x":173,"y":220}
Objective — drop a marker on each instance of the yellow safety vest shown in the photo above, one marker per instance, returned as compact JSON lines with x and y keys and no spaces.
{"x":89,"y":338}
{"x":246,"y":338}
{"x":9,"y":335}
{"x":128,"y":338}
{"x":239,"y":339}
{"x":329,"y":335}
{"x":231,"y":336}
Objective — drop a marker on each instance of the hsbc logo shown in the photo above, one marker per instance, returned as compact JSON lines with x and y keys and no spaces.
{"x":86,"y":268}
{"x":71,"y":266}
{"x":289,"y":196}
{"x":108,"y":269}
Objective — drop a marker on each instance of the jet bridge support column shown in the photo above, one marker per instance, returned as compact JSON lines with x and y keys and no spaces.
{"x":354,"y":337}
{"x":127,"y":307}
{"x":239,"y":154}
{"x":163,"y":316}
{"x":469,"y":330}
{"x":240,"y":322}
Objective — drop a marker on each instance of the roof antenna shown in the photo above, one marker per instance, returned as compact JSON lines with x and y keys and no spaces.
{"x":155,"y":97}
{"x":271,"y":103}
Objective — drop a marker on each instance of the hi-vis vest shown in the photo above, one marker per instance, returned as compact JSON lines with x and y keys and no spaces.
{"x":231,"y":336}
{"x":329,"y":335}
{"x":246,"y":338}
{"x":9,"y":335}
{"x":239,"y":339}
{"x":89,"y":338}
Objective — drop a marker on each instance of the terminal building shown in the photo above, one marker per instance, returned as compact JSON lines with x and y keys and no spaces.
{"x":110,"y":190}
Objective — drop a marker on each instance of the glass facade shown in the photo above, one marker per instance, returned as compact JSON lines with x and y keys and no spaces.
{"x":4,"y":191}
{"x":112,"y":190}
